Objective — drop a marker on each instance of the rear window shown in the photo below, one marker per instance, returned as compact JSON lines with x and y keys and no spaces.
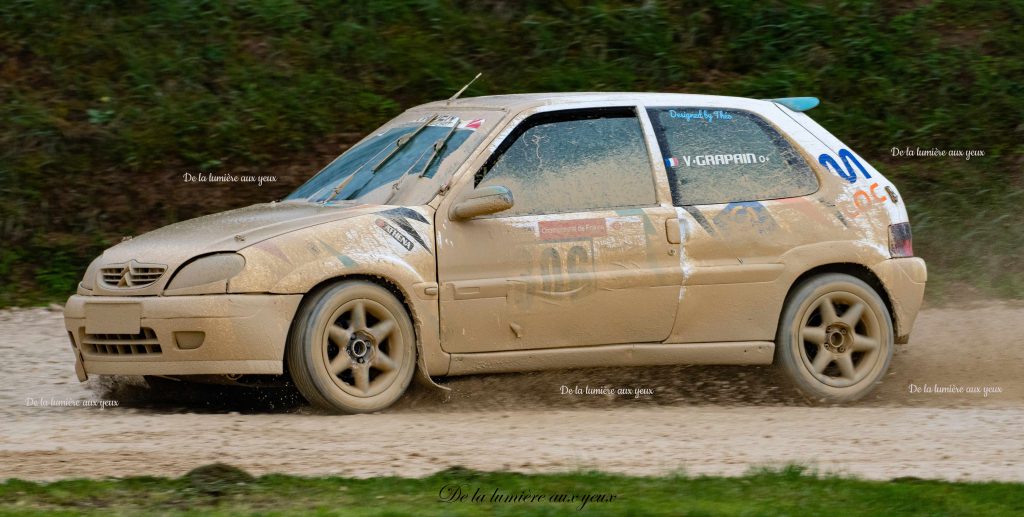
{"x":723,"y":156}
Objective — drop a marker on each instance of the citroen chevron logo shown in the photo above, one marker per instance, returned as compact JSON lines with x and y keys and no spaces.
{"x":126,"y":276}
{"x":132,"y":274}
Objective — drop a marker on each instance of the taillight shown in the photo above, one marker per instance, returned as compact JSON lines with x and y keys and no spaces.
{"x":901,"y":243}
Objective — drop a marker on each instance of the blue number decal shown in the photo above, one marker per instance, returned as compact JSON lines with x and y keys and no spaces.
{"x":849,"y":174}
{"x":830,"y":163}
{"x":847,"y":157}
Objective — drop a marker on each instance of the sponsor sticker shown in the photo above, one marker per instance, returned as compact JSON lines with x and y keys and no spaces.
{"x":395,"y":234}
{"x":472,"y":125}
{"x":439,"y":121}
{"x":574,"y":229}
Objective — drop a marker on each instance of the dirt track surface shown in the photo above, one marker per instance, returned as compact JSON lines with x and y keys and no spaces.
{"x":721,"y":420}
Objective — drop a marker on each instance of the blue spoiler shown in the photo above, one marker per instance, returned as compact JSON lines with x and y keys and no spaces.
{"x":798,"y":103}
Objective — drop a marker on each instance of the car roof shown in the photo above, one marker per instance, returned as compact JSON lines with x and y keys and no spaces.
{"x":521,"y":101}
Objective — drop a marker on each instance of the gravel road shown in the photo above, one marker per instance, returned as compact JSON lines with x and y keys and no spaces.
{"x":721,"y":420}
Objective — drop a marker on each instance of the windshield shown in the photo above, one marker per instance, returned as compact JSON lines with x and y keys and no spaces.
{"x":409,"y":154}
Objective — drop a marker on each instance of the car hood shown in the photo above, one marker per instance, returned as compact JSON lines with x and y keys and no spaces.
{"x":228,"y":231}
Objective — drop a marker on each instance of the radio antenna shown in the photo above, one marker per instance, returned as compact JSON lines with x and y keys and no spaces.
{"x":456,"y":96}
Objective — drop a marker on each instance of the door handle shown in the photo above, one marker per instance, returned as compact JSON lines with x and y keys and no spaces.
{"x":672,"y":230}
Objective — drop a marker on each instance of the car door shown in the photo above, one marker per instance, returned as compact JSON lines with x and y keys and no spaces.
{"x":582,"y":258}
{"x":747,"y":197}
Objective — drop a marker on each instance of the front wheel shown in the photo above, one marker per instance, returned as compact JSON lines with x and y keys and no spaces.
{"x":835,"y":338}
{"x":352,"y":348}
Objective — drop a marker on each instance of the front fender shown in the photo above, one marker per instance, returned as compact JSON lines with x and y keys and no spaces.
{"x":395,"y":245}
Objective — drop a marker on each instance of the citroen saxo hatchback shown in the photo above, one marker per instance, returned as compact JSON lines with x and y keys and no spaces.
{"x":523,"y":232}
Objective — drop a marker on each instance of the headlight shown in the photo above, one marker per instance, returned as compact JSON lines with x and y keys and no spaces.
{"x":206,"y":274}
{"x":89,"y":280}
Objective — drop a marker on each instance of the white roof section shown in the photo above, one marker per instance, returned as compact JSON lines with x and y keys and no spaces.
{"x":523,"y":101}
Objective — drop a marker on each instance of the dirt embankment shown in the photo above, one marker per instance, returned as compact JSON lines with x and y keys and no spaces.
{"x":699,"y":420}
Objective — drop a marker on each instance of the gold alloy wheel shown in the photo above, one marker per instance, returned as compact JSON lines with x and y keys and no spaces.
{"x":352,"y":347}
{"x":835,"y":338}
{"x":361,"y":349}
{"x":841,"y":339}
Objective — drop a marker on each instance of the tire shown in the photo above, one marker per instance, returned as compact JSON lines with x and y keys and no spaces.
{"x":835,"y":339}
{"x":352,"y":348}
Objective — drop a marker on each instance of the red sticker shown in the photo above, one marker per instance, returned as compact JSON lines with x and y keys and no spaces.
{"x":575,"y":229}
{"x":472,"y":124}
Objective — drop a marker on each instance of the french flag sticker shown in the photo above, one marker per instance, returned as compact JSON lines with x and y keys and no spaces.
{"x":672,"y":161}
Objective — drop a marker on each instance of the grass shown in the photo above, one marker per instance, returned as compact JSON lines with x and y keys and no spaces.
{"x":222,"y":490}
{"x":104,"y":105}
{"x":969,"y":231}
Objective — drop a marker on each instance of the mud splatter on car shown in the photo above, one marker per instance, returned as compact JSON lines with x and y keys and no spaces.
{"x":529,"y":232}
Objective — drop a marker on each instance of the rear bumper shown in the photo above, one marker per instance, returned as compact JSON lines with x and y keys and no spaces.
{"x":179,"y":335}
{"x":904,"y":279}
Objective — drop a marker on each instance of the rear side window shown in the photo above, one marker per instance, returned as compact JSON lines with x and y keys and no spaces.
{"x":723,"y":156}
{"x":573,"y":161}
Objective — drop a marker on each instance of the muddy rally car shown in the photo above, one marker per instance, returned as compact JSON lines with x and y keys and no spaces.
{"x":524,"y":232}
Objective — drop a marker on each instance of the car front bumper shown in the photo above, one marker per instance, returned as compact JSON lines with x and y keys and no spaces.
{"x":179,"y":335}
{"x":904,"y":279}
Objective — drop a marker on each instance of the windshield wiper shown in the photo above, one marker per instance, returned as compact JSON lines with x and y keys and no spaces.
{"x":438,"y":146}
{"x":402,"y":140}
{"x":399,"y":143}
{"x":341,"y":186}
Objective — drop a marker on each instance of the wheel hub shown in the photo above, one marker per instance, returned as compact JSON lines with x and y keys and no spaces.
{"x":838,"y":338}
{"x":360,"y":348}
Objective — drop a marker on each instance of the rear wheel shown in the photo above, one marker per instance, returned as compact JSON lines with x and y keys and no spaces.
{"x":352,"y":348}
{"x":835,"y":338}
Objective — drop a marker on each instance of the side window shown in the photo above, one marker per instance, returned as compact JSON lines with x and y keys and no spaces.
{"x":573,"y":161}
{"x":723,"y":156}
